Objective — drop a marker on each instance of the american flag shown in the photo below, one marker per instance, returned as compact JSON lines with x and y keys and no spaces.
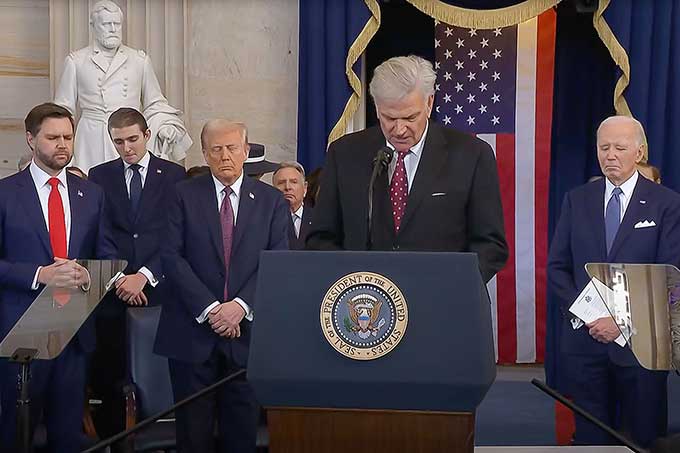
{"x":497,"y":84}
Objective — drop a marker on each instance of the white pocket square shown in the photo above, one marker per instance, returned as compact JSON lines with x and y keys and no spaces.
{"x":645,"y":224}
{"x":439,"y":194}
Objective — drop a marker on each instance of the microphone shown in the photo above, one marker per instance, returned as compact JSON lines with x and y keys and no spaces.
{"x":381,"y":161}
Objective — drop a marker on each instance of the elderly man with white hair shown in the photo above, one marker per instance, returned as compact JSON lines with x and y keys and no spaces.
{"x":621,"y":218}
{"x":440,"y":191}
{"x":107,"y":75}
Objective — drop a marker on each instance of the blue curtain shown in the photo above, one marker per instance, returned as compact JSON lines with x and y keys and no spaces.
{"x":650,"y":33}
{"x":327,"y":29}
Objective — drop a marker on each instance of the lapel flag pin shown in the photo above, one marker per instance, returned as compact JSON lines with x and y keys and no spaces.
{"x":251,"y":195}
{"x":80,"y":194}
{"x":642,"y":202}
{"x":159,"y":171}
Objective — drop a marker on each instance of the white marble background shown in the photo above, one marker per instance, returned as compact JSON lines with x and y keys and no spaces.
{"x":240,"y":61}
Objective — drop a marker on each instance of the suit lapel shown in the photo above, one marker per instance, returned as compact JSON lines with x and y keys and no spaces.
{"x":208,"y":205}
{"x":99,"y":60}
{"x":29,"y":199}
{"x":246,"y":206}
{"x":118,"y":60}
{"x":633,"y":213}
{"x":76,"y":197}
{"x":595,"y":215}
{"x":432,"y":161}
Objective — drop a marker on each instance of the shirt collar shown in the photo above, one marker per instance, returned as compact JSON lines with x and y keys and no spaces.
{"x":627,"y":187}
{"x":418,"y":147}
{"x":143,"y":162}
{"x":236,"y":187}
{"x":299,"y":211}
{"x":40,"y":177}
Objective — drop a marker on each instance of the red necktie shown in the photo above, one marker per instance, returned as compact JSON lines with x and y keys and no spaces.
{"x":57,"y":222}
{"x":399,"y":190}
{"x":57,"y":226}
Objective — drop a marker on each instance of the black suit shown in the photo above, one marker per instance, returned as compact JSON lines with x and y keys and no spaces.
{"x":298,"y":242}
{"x":138,"y":240}
{"x":454,"y":204}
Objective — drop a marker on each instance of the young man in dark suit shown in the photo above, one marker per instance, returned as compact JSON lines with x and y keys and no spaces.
{"x":218,"y":225}
{"x":48,"y":218}
{"x":137,"y":187}
{"x":440,"y":192}
{"x":621,"y":218}
{"x":289,"y":178}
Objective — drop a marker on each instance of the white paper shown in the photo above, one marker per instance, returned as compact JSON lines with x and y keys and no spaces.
{"x":590,"y":305}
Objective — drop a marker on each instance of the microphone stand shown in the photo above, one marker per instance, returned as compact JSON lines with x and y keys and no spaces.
{"x":588,"y":416}
{"x":380,"y":163}
{"x":144,"y":423}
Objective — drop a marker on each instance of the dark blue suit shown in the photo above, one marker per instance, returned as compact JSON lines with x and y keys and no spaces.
{"x":193,"y":262}
{"x":138,"y":241}
{"x":25,"y":245}
{"x":605,"y":378}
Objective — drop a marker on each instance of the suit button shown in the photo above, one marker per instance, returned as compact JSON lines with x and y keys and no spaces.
{"x":395,"y":247}
{"x":135,"y":236}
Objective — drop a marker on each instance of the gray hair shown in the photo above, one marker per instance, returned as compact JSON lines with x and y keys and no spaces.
{"x":395,"y":78}
{"x":641,"y":137}
{"x":291,"y":164}
{"x":104,"y":5}
{"x":226,"y":125}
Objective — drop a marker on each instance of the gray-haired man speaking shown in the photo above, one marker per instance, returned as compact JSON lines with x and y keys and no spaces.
{"x":440,"y":191}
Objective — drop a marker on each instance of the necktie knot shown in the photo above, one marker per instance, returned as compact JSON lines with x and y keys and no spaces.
{"x":54,"y":182}
{"x":616,"y":192}
{"x":402,"y":154}
{"x":135,"y":168}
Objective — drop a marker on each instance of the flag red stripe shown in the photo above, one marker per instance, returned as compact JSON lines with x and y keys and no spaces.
{"x":545,"y":64}
{"x":506,"y":287}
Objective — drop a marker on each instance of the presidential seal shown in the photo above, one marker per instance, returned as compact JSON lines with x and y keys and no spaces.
{"x":364,"y":316}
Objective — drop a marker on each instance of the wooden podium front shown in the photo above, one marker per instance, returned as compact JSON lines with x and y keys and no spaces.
{"x":311,"y":430}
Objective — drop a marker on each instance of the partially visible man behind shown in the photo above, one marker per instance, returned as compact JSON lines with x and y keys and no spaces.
{"x":48,"y":218}
{"x":600,"y":222}
{"x":289,"y":178}
{"x":440,"y":192}
{"x":218,"y":225}
{"x":138,"y":186}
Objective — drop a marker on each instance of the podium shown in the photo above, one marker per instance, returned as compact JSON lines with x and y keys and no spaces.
{"x":49,"y":324}
{"x":380,"y":350}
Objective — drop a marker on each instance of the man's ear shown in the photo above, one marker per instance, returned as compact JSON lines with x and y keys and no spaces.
{"x":147,"y":134}
{"x":30,"y":140}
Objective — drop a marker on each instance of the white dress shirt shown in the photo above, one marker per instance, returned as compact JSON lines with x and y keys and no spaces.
{"x":43,"y":188}
{"x":297,"y":219}
{"x":411,"y":159}
{"x":627,"y":189}
{"x":234,"y":198}
{"x":143,"y":170}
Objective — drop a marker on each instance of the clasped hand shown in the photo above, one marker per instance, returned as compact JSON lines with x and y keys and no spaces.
{"x":64,"y":273}
{"x":129,"y":289}
{"x":603,"y":330}
{"x":225,"y":319}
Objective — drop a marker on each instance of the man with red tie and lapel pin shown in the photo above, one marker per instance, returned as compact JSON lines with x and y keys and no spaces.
{"x":48,"y":218}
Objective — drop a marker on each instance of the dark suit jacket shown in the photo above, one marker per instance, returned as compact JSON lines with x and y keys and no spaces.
{"x":25,"y":242}
{"x":139,"y":239}
{"x":580,"y":238}
{"x":298,"y":242}
{"x":454,"y":204}
{"x":193,"y":262}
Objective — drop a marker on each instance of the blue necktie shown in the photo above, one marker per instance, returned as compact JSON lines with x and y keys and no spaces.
{"x":612,"y":217}
{"x":135,"y":189}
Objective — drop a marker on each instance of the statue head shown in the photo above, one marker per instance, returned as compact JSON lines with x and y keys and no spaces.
{"x":106,"y":19}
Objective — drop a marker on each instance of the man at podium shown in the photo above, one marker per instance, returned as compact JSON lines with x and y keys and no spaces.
{"x":622,"y":218}
{"x":439,"y":192}
{"x":48,"y":217}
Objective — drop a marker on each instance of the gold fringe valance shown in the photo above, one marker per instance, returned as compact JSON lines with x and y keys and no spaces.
{"x":483,"y":18}
{"x":354,"y":53}
{"x":620,"y":57}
